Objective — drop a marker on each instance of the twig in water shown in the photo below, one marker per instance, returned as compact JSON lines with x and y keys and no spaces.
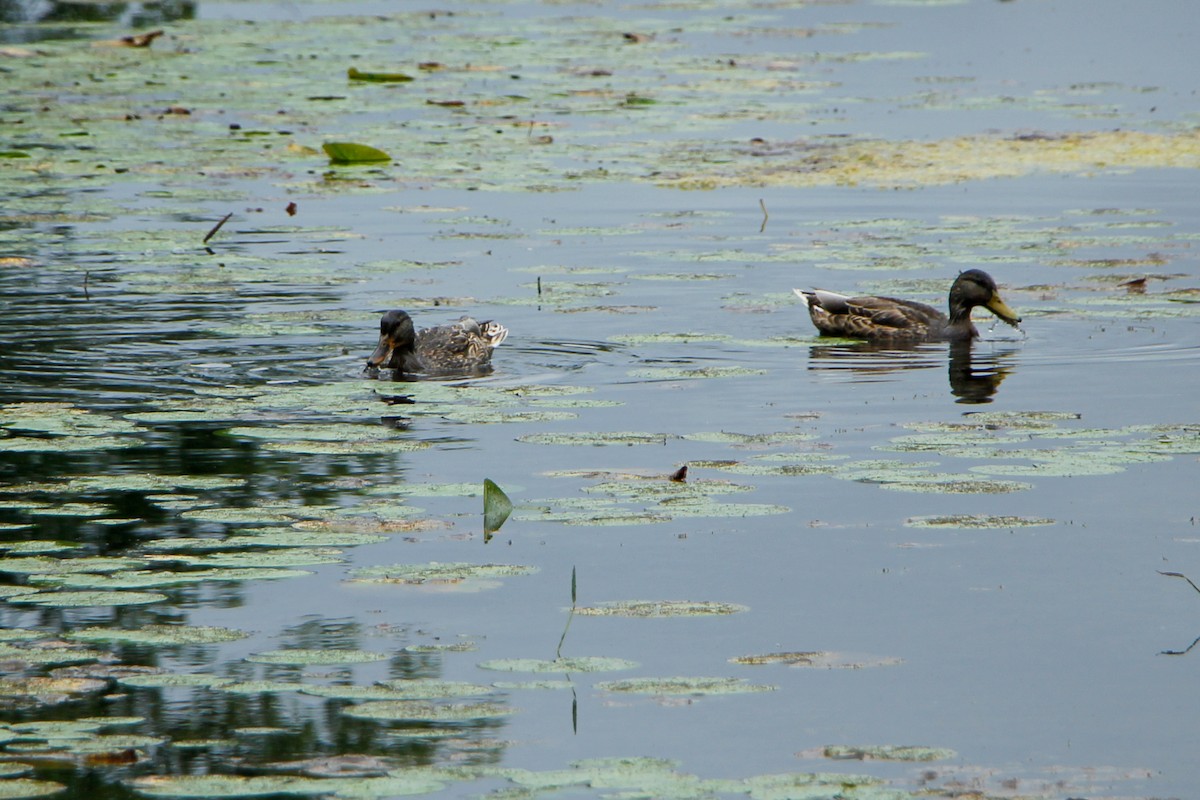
{"x":217,"y":227}
{"x":86,"y":296}
{"x":1182,"y":652}
{"x":1180,"y":575}
{"x":766,"y":216}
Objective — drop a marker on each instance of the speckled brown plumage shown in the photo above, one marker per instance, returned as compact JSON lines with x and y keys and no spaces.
{"x":894,"y":319}
{"x":463,"y":347}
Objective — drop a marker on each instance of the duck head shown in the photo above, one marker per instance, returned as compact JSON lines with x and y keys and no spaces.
{"x":397,"y":338}
{"x":976,"y":288}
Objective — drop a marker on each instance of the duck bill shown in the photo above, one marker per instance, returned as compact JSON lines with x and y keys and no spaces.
{"x":382,"y":355}
{"x":1001,"y":310}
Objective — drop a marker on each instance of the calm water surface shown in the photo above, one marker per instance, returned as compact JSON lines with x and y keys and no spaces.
{"x":1032,"y":652}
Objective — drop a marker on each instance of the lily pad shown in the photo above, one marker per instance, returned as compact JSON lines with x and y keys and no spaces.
{"x":436,"y":574}
{"x":596,"y":438}
{"x":44,"y":565}
{"x":818,"y":659}
{"x":661,"y":608}
{"x":688,"y":686}
{"x":571,"y":664}
{"x":17,"y":788}
{"x":89,"y":599}
{"x":417,"y":710}
{"x":171,"y":680}
{"x":212,"y":786}
{"x":159,"y":635}
{"x":353,"y":153}
{"x":403,"y":689}
{"x":976,"y":521}
{"x":692,"y":373}
{"x":300,"y":657}
{"x":889,"y":753}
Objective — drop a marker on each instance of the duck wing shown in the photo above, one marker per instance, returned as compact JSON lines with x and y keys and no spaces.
{"x":461,"y":346}
{"x":871,"y":317}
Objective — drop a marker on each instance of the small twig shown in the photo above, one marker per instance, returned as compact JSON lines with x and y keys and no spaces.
{"x":1181,"y":575}
{"x":86,"y":275}
{"x":766,"y":216}
{"x":217,"y":227}
{"x":539,"y":285}
{"x":1183,"y":652}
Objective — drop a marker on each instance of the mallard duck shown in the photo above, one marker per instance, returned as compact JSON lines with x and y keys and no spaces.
{"x":889,"y":318}
{"x":461,"y":347}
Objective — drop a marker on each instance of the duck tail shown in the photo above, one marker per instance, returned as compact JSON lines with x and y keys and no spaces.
{"x":494,"y":332}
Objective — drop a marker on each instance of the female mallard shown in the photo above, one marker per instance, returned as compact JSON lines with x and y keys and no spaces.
{"x":888,"y":318}
{"x":461,"y":347}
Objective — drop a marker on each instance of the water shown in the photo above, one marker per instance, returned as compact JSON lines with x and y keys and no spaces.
{"x":1032,"y":652}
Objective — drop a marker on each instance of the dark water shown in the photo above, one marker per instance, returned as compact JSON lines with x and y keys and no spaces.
{"x":1033,"y":652}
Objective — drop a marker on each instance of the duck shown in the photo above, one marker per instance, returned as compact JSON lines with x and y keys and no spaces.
{"x":462,"y":347}
{"x":893,"y":319}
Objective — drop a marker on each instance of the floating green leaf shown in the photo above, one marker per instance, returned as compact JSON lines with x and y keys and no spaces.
{"x":17,"y":788}
{"x":417,"y":710}
{"x":596,"y":438}
{"x":46,"y":653}
{"x":441,"y":575}
{"x":573,"y":664}
{"x":48,"y":691}
{"x":680,"y":685}
{"x":89,"y":599}
{"x":171,"y":680}
{"x":689,"y":373}
{"x":818,"y":659}
{"x":301,"y":657}
{"x":661,"y":608}
{"x":976,"y":521}
{"x":44,"y":565}
{"x":402,"y":689}
{"x":889,"y":753}
{"x":213,"y":786}
{"x":496,"y":506}
{"x":159,"y":635}
{"x":373,"y":77}
{"x":352,"y":153}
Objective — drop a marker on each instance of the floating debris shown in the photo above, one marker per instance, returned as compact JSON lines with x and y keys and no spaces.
{"x":661,"y":608}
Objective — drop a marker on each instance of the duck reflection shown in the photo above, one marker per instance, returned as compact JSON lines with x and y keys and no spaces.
{"x":974,"y":376}
{"x":131,"y":14}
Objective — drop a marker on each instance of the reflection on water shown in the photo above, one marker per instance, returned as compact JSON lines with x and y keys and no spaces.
{"x":132,"y":15}
{"x":974,"y":376}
